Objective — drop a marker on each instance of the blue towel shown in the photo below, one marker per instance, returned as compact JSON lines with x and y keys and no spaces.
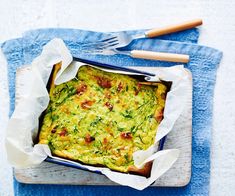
{"x":203,"y":65}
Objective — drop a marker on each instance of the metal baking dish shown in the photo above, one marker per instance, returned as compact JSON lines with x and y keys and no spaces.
{"x":140,"y":74}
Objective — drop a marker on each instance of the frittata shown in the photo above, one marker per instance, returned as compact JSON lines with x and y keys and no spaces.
{"x":101,"y":118}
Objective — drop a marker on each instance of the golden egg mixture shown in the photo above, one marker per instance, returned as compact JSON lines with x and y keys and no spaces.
{"x":102,"y":118}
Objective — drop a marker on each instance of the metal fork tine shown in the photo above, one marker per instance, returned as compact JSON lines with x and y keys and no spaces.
{"x":110,"y":46}
{"x":93,"y":51}
{"x":104,"y":44}
{"x":100,"y":41}
{"x":111,"y":42}
{"x":104,"y":40}
{"x":100,"y":47}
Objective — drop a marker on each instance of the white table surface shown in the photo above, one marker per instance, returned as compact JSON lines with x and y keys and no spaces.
{"x":218,"y":31}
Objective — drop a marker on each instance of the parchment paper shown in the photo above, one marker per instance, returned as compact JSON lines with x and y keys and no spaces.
{"x":33,"y":100}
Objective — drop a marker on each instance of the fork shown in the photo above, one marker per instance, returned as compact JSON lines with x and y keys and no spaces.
{"x":144,"y":54}
{"x":122,"y":39}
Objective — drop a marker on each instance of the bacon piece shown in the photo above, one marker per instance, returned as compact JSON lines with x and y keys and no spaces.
{"x":163,"y":96}
{"x":88,"y":138}
{"x":53,"y":130}
{"x":158,"y":115}
{"x":105,"y":140}
{"x":139,"y":85}
{"x":138,"y":88}
{"x":109,"y":106}
{"x":104,"y":82}
{"x":126,"y":135}
{"x":63,"y":132}
{"x":120,"y":87}
{"x":81,"y":89}
{"x":87,"y":104}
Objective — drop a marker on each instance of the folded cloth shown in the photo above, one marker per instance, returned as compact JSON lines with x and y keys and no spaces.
{"x":203,"y":65}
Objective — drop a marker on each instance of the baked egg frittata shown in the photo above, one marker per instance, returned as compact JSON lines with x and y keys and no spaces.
{"x":100,"y":118}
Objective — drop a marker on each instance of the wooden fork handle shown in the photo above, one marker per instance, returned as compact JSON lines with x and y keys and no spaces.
{"x":173,"y":28}
{"x":161,"y":56}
